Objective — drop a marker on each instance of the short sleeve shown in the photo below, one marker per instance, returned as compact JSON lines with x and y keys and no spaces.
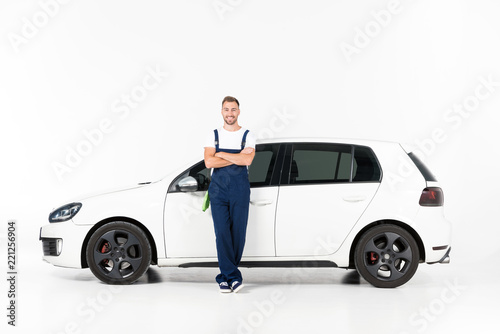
{"x":210,"y":140}
{"x":250,"y":142}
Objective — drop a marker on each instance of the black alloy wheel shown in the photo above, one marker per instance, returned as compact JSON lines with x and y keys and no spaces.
{"x":118,"y":253}
{"x":387,"y":256}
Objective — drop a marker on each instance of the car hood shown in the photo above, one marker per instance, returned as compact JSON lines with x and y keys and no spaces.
{"x":116,"y":190}
{"x":112,"y":190}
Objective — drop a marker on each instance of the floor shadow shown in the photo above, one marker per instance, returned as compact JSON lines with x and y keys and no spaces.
{"x":254,"y":276}
{"x":351,"y":278}
{"x":151,"y":276}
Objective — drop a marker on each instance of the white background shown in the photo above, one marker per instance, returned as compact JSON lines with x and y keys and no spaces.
{"x":66,"y":66}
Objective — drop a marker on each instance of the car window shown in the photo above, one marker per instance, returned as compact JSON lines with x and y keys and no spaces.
{"x":320,"y":163}
{"x":365,"y":165}
{"x":259,"y":173}
{"x":261,"y":170}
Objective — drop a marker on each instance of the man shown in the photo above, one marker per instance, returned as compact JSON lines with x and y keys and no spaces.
{"x":229,"y":151}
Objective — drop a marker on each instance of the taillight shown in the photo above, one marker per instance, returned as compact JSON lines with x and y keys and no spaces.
{"x":432,"y":196}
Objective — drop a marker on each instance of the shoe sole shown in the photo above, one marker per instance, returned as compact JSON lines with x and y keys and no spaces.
{"x":238,"y":288}
{"x":226,"y":291}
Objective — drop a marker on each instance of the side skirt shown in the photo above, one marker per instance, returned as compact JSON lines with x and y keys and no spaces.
{"x":266,"y":264}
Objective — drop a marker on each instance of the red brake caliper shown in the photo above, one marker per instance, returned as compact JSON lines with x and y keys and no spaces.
{"x":373,"y":257}
{"x":105,"y":249}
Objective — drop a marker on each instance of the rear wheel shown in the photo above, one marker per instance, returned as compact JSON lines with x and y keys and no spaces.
{"x":118,"y":253}
{"x":386,"y":256}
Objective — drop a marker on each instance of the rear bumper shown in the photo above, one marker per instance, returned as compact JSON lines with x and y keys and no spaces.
{"x":445,"y":259}
{"x":435,"y":232}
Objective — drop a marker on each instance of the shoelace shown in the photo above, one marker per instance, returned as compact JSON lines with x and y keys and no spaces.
{"x":223,"y":284}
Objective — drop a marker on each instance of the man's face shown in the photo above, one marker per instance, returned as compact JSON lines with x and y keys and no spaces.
{"x":230,"y":112}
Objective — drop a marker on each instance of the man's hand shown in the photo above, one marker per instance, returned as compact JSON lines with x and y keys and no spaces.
{"x":244,"y":158}
{"x":214,"y":161}
{"x":247,"y":150}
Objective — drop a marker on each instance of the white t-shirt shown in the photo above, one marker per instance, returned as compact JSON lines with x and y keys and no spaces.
{"x":230,"y":140}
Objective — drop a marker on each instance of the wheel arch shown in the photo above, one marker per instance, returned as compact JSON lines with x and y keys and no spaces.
{"x":83,"y":256}
{"x":408,"y":228}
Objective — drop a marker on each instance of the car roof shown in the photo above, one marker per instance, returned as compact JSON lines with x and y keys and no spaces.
{"x":352,"y":141}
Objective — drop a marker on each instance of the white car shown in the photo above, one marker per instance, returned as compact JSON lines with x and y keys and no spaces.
{"x":369,"y":205}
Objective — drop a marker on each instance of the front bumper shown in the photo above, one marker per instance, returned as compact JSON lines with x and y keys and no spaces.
{"x":51,"y":246}
{"x":62,"y":243}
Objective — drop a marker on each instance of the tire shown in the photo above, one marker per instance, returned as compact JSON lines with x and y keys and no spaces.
{"x":118,"y":253}
{"x":386,"y":256}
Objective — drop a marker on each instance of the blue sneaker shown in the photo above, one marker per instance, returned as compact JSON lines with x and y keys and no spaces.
{"x":224,"y":287}
{"x":236,"y":286}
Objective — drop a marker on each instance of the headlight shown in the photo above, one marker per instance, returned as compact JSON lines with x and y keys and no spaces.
{"x":64,"y":213}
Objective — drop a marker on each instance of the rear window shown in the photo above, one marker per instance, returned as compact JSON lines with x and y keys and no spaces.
{"x":320,"y":163}
{"x":365,"y":167}
{"x":426,"y":173}
{"x":314,"y":163}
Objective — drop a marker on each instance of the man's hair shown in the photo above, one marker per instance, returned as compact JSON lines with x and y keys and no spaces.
{"x":230,"y":99}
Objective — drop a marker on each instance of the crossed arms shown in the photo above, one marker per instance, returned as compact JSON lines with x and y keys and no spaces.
{"x":223,"y":159}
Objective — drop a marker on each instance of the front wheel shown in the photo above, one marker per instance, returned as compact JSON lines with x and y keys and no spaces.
{"x":387,"y":256}
{"x":118,"y":253}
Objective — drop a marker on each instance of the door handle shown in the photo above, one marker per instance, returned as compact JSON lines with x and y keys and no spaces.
{"x":354,"y":199}
{"x":261,"y":202}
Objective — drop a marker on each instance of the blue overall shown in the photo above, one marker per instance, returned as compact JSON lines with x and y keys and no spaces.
{"x":229,"y":193}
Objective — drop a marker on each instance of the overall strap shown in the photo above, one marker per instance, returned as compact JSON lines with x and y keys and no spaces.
{"x":244,"y":140}
{"x":216,"y":140}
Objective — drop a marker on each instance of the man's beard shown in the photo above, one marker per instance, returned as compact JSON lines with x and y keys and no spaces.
{"x":228,"y":122}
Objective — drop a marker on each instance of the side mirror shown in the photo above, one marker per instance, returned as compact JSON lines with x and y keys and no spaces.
{"x":188,"y":183}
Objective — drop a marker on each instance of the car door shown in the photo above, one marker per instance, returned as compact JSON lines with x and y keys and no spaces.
{"x":189,"y":231}
{"x":324,"y":190}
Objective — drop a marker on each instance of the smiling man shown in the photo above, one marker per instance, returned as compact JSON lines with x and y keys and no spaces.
{"x":229,"y":151}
